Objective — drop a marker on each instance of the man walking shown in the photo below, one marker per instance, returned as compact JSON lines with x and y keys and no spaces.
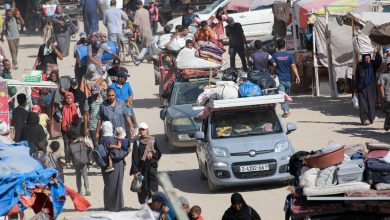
{"x":142,"y":21}
{"x":261,"y":60}
{"x":91,"y":110}
{"x":113,"y":110}
{"x":112,"y":19}
{"x":284,"y":63}
{"x":10,"y":30}
{"x":153,"y":11}
{"x":237,"y":42}
{"x":90,"y":16}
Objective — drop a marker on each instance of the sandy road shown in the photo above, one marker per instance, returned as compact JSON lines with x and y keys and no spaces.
{"x":319,"y":120}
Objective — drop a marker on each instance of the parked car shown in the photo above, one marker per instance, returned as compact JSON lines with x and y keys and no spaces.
{"x":255,"y":21}
{"x":179,"y":124}
{"x":239,"y":146}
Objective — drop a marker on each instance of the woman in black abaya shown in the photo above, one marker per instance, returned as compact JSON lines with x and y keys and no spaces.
{"x":365,"y":77}
{"x":239,"y":210}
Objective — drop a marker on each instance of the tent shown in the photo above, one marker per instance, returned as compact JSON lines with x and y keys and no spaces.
{"x":29,"y":185}
{"x":303,"y":8}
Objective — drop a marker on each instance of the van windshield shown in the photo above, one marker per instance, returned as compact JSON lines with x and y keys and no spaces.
{"x":244,"y":123}
{"x":186,"y":93}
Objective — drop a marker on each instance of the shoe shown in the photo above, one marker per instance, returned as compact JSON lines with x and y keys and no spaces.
{"x":366,"y":122}
{"x":110,"y":169}
{"x":87,"y":193}
{"x":80,"y":192}
{"x":67,"y":165}
{"x":285,"y":114}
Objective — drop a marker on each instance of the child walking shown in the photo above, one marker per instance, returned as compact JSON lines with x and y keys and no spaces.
{"x":122,"y":144}
{"x":55,"y":160}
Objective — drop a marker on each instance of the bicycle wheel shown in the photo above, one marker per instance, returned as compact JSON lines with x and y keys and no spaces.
{"x":133,"y":51}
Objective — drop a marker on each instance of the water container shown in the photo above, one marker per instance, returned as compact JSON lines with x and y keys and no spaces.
{"x":82,"y":53}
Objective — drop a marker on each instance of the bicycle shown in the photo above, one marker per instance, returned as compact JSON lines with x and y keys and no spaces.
{"x":130,"y":48}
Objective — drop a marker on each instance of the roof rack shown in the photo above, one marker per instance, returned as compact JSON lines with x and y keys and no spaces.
{"x":265,"y":100}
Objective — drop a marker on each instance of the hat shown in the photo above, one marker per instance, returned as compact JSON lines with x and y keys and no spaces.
{"x":73,"y":81}
{"x":83,"y":35}
{"x":116,"y":62}
{"x":120,"y":133}
{"x":230,"y":20}
{"x":143,"y":125}
{"x":122,"y":73}
{"x":184,"y":201}
{"x":36,"y":108}
{"x":107,"y":128}
{"x":91,"y":68}
{"x":159,"y":196}
{"x":95,"y":89}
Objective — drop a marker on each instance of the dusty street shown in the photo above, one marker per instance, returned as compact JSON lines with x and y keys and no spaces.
{"x":319,"y":120}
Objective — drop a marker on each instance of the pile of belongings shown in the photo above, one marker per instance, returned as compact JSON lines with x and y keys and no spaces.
{"x":337,"y":169}
{"x":28,"y":185}
{"x":197,"y":73}
{"x":186,"y":59}
{"x":210,"y":51}
{"x":222,"y":90}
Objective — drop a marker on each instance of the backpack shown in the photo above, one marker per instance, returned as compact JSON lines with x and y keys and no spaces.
{"x":99,"y":155}
{"x":79,"y":153}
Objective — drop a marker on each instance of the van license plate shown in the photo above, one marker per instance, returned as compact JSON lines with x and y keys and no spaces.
{"x":254,"y":168}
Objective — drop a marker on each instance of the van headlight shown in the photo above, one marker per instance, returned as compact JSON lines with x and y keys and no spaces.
{"x":221,"y":152}
{"x":281,"y":146}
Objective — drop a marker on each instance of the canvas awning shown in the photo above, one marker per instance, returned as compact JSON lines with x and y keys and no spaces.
{"x":303,"y":8}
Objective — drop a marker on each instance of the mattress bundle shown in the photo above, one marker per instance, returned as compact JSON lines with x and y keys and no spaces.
{"x":196,"y":73}
{"x":210,"y":51}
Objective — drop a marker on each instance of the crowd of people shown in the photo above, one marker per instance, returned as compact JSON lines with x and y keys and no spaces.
{"x":95,"y":107}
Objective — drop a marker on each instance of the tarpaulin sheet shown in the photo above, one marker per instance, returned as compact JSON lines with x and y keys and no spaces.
{"x":19,"y":179}
{"x":304,"y":7}
{"x":341,"y":42}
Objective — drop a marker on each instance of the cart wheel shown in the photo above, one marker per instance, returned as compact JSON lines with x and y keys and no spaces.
{"x":134,"y":52}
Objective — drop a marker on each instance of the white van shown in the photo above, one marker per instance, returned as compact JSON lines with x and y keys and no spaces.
{"x":257,"y":21}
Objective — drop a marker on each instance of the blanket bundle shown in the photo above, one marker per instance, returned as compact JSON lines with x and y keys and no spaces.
{"x":191,"y":73}
{"x":211,"y":51}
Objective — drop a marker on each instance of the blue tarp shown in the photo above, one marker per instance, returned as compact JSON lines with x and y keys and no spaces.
{"x":20,"y":173}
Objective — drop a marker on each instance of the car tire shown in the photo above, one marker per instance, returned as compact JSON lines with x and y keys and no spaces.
{"x":201,"y":174}
{"x":172,"y":148}
{"x":210,"y":185}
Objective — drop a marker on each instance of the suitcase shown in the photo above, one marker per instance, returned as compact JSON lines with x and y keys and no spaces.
{"x":377,"y":172}
{"x":351,"y":171}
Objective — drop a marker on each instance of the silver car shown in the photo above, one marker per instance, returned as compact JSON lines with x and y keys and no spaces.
{"x":179,"y":124}
{"x":243,"y":146}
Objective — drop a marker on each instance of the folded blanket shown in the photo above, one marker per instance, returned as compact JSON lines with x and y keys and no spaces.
{"x":211,"y":50}
{"x":208,"y":44}
{"x":208,"y":56}
{"x":190,"y":73}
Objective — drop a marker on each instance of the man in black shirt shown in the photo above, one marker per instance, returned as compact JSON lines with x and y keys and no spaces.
{"x":237,"y":42}
{"x":48,"y":53}
{"x":79,"y":96}
{"x":19,"y":116}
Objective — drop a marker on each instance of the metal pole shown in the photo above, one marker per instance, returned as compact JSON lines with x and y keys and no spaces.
{"x":332,"y":81}
{"x":315,"y":63}
{"x":169,"y":190}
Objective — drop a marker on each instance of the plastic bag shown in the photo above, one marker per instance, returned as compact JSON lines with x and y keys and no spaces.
{"x":266,"y":81}
{"x":230,"y":74}
{"x":355,"y":102}
{"x":227,"y":90}
{"x":136,"y":185}
{"x":248,"y":89}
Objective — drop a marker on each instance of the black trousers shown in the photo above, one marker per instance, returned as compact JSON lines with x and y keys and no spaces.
{"x":241,"y":53}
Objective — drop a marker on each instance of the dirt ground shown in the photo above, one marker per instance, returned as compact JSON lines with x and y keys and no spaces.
{"x":319,"y":120}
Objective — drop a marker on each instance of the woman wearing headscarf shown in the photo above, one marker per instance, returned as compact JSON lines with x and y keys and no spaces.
{"x":365,"y":77}
{"x":33,"y":132}
{"x":145,"y":157}
{"x":50,"y":101}
{"x":70,"y":121}
{"x":61,"y":30}
{"x":113,"y":181}
{"x":239,"y":210}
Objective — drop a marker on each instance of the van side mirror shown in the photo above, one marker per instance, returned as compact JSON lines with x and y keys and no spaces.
{"x":291,"y":127}
{"x":163,"y":112}
{"x":199,"y":135}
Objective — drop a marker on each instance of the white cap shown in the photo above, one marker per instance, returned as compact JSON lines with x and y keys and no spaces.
{"x":143,"y":125}
{"x":107,"y":128}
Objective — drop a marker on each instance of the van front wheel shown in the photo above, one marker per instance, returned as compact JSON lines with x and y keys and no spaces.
{"x":210,"y":184}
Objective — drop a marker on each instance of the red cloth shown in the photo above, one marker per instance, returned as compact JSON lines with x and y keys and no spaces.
{"x":69,"y":113}
{"x":79,"y":202}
